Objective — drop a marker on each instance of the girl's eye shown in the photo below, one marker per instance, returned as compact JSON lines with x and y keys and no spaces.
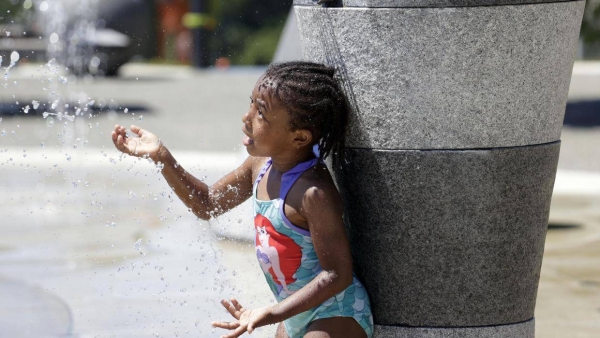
{"x":260,"y":113}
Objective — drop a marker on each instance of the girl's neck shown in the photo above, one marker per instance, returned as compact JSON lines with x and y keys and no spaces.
{"x":284,"y":165}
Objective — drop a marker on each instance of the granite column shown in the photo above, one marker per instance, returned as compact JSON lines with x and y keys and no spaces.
{"x":451,"y":152}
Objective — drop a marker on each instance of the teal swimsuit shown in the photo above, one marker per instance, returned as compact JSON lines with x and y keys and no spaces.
{"x":289,"y":261}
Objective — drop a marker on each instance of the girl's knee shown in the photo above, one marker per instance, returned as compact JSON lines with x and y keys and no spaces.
{"x":335,"y":327}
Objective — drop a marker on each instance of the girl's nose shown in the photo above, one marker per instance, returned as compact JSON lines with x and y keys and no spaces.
{"x":246,"y":117}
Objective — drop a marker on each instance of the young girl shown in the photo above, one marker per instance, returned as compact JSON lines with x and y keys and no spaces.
{"x":301,"y":243}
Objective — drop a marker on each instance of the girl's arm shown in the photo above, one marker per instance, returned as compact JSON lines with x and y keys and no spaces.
{"x":204,"y":201}
{"x":207,"y":202}
{"x":322,"y":208}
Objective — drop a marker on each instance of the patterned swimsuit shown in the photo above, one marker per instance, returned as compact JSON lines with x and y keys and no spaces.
{"x":289,"y":261}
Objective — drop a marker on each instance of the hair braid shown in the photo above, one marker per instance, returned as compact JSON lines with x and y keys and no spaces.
{"x":315,"y":101}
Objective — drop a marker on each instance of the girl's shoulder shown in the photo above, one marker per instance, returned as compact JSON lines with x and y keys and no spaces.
{"x":317,"y":183}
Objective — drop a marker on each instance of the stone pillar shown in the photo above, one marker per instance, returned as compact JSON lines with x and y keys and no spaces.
{"x":451,"y":152}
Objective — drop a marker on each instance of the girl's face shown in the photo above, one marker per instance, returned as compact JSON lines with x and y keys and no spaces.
{"x":266,"y":123}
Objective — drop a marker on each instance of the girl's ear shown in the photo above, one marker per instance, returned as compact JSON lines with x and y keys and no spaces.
{"x":302,"y":138}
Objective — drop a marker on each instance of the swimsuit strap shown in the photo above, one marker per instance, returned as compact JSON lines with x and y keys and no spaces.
{"x":290,"y":177}
{"x":262,"y":172}
{"x":287,"y":181}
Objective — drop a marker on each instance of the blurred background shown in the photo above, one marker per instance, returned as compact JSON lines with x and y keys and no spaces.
{"x":94,"y":244}
{"x":203,"y":33}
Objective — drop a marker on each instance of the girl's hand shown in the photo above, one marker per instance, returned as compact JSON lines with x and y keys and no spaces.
{"x":147,"y":144}
{"x":247,"y":320}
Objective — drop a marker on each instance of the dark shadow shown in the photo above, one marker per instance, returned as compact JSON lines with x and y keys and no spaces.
{"x":563,"y":226}
{"x":583,"y":113}
{"x":10,"y":109}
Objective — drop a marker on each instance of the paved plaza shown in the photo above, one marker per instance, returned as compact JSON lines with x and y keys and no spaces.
{"x":94,"y":244}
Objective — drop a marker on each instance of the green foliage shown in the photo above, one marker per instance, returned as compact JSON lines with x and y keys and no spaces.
{"x":590,"y":26}
{"x":10,"y":10}
{"x":247,"y":32}
{"x":259,"y":46}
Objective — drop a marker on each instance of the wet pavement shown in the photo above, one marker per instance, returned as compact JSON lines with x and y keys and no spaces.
{"x":95,"y":244}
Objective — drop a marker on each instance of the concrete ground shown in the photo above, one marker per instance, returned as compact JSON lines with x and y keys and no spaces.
{"x":95,"y":245}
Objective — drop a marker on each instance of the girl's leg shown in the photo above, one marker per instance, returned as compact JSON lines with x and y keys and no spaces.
{"x":335,"y":327}
{"x":280,"y":333}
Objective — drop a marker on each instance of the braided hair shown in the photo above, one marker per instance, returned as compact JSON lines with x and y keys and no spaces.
{"x":314,"y":101}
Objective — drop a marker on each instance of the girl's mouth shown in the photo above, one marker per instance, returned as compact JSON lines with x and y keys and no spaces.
{"x":247,"y":141}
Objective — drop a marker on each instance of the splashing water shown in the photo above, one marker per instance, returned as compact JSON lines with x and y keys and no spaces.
{"x":14,"y":58}
{"x":137,"y":246}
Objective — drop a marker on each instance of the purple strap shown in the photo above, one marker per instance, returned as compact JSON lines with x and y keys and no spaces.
{"x":262,"y":172}
{"x":290,"y":177}
{"x":287,"y":181}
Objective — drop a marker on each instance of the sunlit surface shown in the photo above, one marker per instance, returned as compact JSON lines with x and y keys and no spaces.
{"x":95,"y":244}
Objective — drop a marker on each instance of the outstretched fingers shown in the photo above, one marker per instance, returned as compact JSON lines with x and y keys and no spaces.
{"x":120,"y":140}
{"x":232,"y":308}
{"x":236,"y":333}
{"x":237,"y":305}
{"x":117,"y":137}
{"x":238,"y":330}
{"x":226,"y":325}
{"x":137,"y":130}
{"x":235,"y":310}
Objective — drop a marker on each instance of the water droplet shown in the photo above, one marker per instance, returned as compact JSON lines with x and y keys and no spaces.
{"x":26,"y":109}
{"x":95,"y":62}
{"x":53,"y":38}
{"x":42,"y":144}
{"x":44,"y":6}
{"x":68,"y":157}
{"x":7,"y":33}
{"x":14,"y":57}
{"x":190,"y":196}
{"x":35,"y":104}
{"x":45,"y":114}
{"x":141,"y":117}
{"x":126,"y":110}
